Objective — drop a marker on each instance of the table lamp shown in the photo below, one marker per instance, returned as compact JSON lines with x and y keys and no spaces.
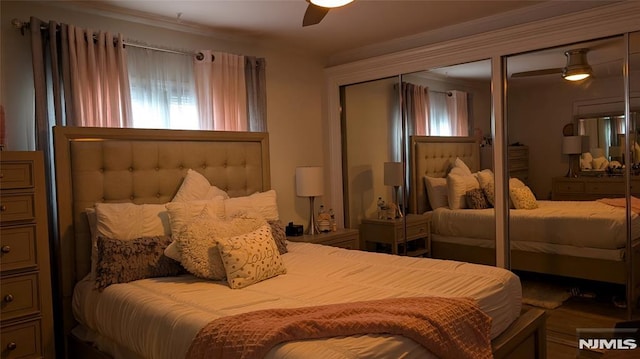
{"x":571,"y":145}
{"x":393,"y":177}
{"x":310,"y":183}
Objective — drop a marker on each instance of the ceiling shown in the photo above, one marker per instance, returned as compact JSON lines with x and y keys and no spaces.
{"x":361,"y":24}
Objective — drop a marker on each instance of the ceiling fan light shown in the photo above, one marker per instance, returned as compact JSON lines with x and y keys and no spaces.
{"x":577,"y":66}
{"x":330,"y":3}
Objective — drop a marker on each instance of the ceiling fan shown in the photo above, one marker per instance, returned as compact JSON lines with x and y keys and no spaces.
{"x":577,"y":67}
{"x":318,"y":9}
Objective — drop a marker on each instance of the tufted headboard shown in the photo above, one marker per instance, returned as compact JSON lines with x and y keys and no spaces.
{"x":433,"y":156}
{"x":140,"y":166}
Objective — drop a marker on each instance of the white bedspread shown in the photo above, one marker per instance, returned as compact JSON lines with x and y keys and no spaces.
{"x":581,"y":224}
{"x":158,"y":318}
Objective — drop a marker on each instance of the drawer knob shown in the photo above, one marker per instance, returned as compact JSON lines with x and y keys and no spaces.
{"x":12,"y":346}
{"x":3,"y":208}
{"x":8,"y":298}
{"x":5,"y":249}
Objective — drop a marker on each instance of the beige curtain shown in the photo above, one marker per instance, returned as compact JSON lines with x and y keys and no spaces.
{"x":221,"y":91}
{"x":99,"y":79}
{"x":458,"y":109}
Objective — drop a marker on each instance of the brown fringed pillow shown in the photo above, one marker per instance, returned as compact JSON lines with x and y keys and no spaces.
{"x":279,"y":235}
{"x":125,"y":261}
{"x":476,"y":199}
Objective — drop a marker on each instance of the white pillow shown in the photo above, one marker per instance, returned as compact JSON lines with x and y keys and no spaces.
{"x":198,"y":241}
{"x":436,"y":191}
{"x":195,"y":186}
{"x":182,"y":213}
{"x":460,"y":168}
{"x":458,"y":186}
{"x":264,"y":203}
{"x":522,"y":198}
{"x":250,"y":258}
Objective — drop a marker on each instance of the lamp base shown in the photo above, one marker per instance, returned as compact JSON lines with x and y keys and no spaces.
{"x":312,"y":228}
{"x":571,"y":173}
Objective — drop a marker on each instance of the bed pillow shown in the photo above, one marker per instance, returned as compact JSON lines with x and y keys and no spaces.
{"x":195,"y":187}
{"x":476,"y":199}
{"x":125,"y":261}
{"x":436,"y":191}
{"x":522,"y":198}
{"x":458,"y":186}
{"x":250,"y":258}
{"x":279,"y":235}
{"x":264,"y":203}
{"x":487,"y":184}
{"x":198,"y":242}
{"x":460,"y":168}
{"x":181,"y":213}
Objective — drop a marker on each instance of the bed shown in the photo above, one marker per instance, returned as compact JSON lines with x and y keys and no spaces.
{"x":582,"y":240}
{"x":159,"y":317}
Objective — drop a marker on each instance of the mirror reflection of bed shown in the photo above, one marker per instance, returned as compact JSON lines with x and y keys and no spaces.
{"x":561,"y":238}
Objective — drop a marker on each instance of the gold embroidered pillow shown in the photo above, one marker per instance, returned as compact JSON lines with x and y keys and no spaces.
{"x":250,"y":258}
{"x":523,"y":198}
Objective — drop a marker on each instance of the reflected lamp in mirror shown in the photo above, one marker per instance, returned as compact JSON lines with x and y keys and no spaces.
{"x":393,"y":176}
{"x":571,"y":146}
{"x":310,"y":183}
{"x":615,"y":153}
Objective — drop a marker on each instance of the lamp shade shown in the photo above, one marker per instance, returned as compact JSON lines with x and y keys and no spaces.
{"x":393,"y":174}
{"x":572,"y":145}
{"x":309,"y":181}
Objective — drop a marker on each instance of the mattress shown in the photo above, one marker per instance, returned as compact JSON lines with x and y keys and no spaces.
{"x":158,"y":318}
{"x":588,"y":224}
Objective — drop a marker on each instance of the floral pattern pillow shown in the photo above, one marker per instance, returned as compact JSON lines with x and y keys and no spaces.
{"x":476,"y":199}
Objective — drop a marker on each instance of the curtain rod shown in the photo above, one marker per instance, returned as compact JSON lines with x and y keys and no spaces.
{"x":22,"y":25}
{"x":448,"y":93}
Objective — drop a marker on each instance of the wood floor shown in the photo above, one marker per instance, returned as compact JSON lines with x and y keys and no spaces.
{"x":592,"y":308}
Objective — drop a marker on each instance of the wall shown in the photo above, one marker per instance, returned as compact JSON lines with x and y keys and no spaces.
{"x":294,"y":88}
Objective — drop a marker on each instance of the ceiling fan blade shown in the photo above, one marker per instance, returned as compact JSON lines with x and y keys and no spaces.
{"x":537,"y":72}
{"x":314,"y":14}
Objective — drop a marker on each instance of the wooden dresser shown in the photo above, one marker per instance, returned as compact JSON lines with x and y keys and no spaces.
{"x":26,"y":318}
{"x":518,"y":162}
{"x":388,"y":235}
{"x":590,"y":188}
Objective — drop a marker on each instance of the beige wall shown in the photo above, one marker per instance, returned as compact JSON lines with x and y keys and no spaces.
{"x":294,"y":88}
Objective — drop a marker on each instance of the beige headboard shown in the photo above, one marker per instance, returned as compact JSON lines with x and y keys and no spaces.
{"x":433,"y":156}
{"x":141,"y":166}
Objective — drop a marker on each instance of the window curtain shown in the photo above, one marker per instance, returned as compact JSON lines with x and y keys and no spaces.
{"x":221,"y":91}
{"x":458,"y":112}
{"x":256,"y":84}
{"x":439,"y":115}
{"x":162,"y":89}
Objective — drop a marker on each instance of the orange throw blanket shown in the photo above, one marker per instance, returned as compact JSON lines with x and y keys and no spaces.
{"x":447,"y":327}
{"x":622,"y":202}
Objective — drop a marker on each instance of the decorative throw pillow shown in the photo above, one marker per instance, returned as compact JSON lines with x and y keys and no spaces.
{"x":182,"y":213}
{"x":126,"y":261}
{"x":250,"y":258}
{"x":279,"y":235}
{"x":264,"y":203}
{"x":198,"y":242}
{"x":476,"y":200}
{"x":487,"y":184}
{"x":523,"y":198}
{"x":195,"y":187}
{"x":458,"y":186}
{"x":460,"y":168}
{"x":436,"y":191}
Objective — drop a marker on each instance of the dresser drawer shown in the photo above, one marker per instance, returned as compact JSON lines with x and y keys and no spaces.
{"x":414,"y":230}
{"x":19,"y":296}
{"x":610,"y":188}
{"x":518,"y":152}
{"x":21,"y":341}
{"x":343,"y":243}
{"x":17,"y":247}
{"x":569,"y":187}
{"x":16,"y":175}
{"x":517,"y":164}
{"x":17,"y":207}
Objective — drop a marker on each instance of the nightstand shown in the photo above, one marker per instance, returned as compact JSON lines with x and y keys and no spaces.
{"x":343,"y":238}
{"x":388,"y":235}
